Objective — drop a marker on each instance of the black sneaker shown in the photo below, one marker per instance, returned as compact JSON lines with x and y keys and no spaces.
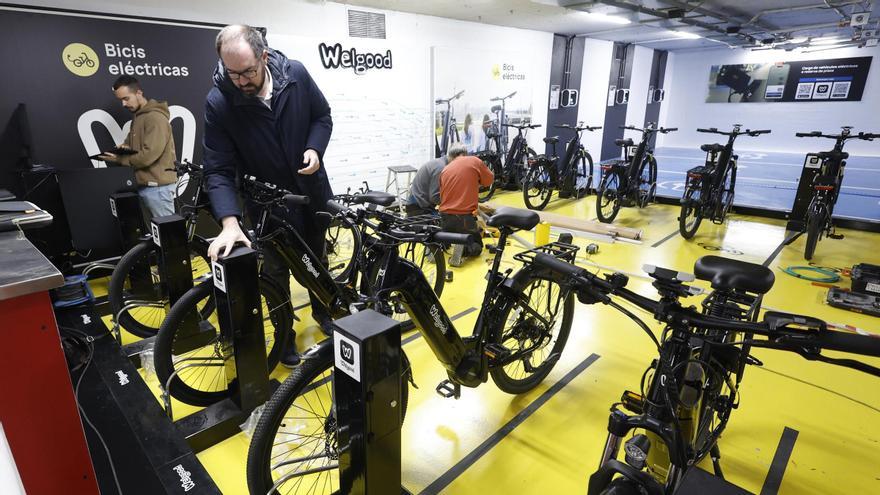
{"x":289,"y":355}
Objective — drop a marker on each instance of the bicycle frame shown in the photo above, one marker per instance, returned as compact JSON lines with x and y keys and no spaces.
{"x":465,"y":361}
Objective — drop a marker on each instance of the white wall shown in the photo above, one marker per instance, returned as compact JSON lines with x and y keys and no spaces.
{"x":298,"y":26}
{"x":685,"y":107}
{"x":638,"y":88}
{"x":594,"y":90}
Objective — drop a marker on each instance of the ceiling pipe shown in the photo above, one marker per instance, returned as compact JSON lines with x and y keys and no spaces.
{"x":697,"y":8}
{"x":652,"y":12}
{"x":795,"y":9}
{"x":836,"y":9}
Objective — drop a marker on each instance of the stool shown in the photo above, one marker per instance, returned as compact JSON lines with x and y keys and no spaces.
{"x":401,"y":184}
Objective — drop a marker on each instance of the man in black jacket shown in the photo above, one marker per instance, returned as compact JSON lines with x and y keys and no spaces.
{"x":266,"y":117}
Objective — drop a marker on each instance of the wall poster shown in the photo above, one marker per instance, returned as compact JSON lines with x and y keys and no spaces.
{"x":841,"y":79}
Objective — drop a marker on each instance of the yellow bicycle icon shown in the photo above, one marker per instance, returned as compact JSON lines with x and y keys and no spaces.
{"x":80,"y":59}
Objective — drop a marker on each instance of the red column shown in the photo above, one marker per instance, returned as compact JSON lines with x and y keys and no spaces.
{"x":37,"y":407}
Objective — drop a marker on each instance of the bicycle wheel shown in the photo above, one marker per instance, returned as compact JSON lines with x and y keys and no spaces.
{"x":725,"y":198}
{"x":297,"y":432}
{"x":815,"y":224}
{"x":647,"y":177}
{"x":342,"y":244}
{"x":144,"y":321}
{"x":493,"y":161}
{"x":691,"y":212}
{"x":203,"y":385}
{"x":584,"y":178}
{"x":537,"y":187}
{"x":536,"y":323}
{"x":607,"y":197}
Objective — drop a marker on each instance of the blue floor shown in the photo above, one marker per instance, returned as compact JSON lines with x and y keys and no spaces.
{"x":769,"y":180}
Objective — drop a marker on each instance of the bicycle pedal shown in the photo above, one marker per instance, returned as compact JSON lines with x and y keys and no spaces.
{"x":836,"y":236}
{"x":496,"y":353}
{"x":448,"y":389}
{"x":632,"y":402}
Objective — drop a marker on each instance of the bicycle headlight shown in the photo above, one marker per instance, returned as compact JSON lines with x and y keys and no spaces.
{"x":636,"y":450}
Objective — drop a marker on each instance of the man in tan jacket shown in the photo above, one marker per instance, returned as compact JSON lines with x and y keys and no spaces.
{"x":153,"y":145}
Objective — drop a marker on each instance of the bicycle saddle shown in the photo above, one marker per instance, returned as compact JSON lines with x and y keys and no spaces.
{"x":376,"y":197}
{"x":551,"y":139}
{"x":496,"y":108}
{"x":514,"y":217}
{"x":836,"y":155}
{"x":623,"y":142}
{"x":712,"y":148}
{"x":727,"y":274}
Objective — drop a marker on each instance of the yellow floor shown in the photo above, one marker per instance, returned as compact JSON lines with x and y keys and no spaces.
{"x":835,"y":411}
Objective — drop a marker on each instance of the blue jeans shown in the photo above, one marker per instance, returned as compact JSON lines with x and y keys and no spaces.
{"x":159,"y":199}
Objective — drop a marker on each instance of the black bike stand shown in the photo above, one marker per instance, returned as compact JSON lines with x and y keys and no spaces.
{"x":243,"y":347}
{"x":367,"y":387}
{"x":797,"y":219}
{"x":175,"y":273}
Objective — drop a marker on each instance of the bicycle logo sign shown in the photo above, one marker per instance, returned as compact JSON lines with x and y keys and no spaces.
{"x":80,"y":59}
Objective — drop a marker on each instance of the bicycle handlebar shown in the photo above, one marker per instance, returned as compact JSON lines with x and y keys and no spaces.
{"x":577,"y":127}
{"x":501,"y":98}
{"x":424,"y":234}
{"x":265,"y":192}
{"x":867,"y":136}
{"x":663,"y":130}
{"x":522,"y":126}
{"x":440,"y":101}
{"x":787,"y":332}
{"x":735,"y":132}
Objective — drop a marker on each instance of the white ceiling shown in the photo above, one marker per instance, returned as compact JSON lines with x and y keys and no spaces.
{"x":650,"y":27}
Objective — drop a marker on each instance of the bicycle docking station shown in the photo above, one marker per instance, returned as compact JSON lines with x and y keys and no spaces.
{"x":243,"y":349}
{"x":126,"y":208}
{"x":175,"y":273}
{"x":367,"y":388}
{"x":797,"y":219}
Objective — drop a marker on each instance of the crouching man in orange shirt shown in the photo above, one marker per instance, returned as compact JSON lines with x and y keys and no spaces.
{"x":460,"y":184}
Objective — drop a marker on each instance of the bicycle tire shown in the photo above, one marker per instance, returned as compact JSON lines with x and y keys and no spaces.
{"x":523,"y":332}
{"x":690,"y":206}
{"x":341,"y":245}
{"x":583,"y":187}
{"x":607,"y":196}
{"x":653,"y":193}
{"x":645,"y":183}
{"x":537,"y":189}
{"x":493,"y":162}
{"x":815,"y":221}
{"x":728,"y":183}
{"x":145,"y":321}
{"x":310,"y":382}
{"x":276,"y":308}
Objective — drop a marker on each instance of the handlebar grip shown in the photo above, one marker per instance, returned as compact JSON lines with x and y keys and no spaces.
{"x":534,"y":126}
{"x":849,"y":342}
{"x":706,"y":130}
{"x":335,"y":208}
{"x":668,"y":129}
{"x":438,"y":102}
{"x":762,"y":131}
{"x":457,"y":95}
{"x":295,"y":200}
{"x":452,"y":238}
{"x":802,"y":134}
{"x":557,"y":265}
{"x":868,"y":135}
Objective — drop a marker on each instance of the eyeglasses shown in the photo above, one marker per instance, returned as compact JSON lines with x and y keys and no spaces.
{"x":250,"y":74}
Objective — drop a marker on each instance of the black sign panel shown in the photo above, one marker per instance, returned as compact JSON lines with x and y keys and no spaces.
{"x":841,"y":79}
{"x":63,"y":66}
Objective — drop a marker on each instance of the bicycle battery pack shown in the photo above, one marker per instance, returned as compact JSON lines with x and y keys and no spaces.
{"x":854,"y":301}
